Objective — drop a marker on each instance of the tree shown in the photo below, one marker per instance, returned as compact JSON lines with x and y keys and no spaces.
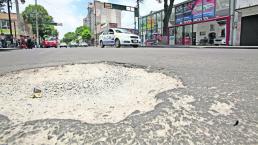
{"x":69,"y":37}
{"x":44,"y":20}
{"x":86,"y":34}
{"x":167,"y":12}
{"x":83,"y":32}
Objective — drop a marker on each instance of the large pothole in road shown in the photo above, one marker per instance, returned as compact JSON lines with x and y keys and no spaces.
{"x":93,"y":93}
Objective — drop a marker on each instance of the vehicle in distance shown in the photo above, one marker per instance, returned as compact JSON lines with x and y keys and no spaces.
{"x":119,"y":37}
{"x":63,"y":45}
{"x":50,"y":42}
{"x":83,"y":44}
{"x":220,"y":41}
{"x":73,"y":44}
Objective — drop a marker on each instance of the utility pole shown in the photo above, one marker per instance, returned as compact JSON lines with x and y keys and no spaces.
{"x":96,"y":35}
{"x":19,"y":19}
{"x":10,"y":21}
{"x":138,"y":9}
{"x":37,"y":25}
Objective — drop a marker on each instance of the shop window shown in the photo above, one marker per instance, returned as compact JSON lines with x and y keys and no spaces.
{"x":223,"y":33}
{"x":144,"y":23}
{"x":187,"y":35}
{"x":212,"y":27}
{"x":159,"y":21}
{"x":202,"y":33}
{"x":4,"y":24}
{"x":155,"y":25}
{"x":179,"y":35}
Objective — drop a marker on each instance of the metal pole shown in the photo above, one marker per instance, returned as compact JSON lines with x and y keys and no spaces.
{"x":15,"y":35}
{"x":10,"y":21}
{"x":19,"y":26}
{"x":138,"y":9}
{"x":96,"y":35}
{"x":37,"y":25}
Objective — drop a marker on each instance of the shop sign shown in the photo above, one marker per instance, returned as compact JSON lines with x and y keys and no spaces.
{"x":208,"y":9}
{"x":179,"y":14}
{"x":188,"y":7}
{"x":197,"y":10}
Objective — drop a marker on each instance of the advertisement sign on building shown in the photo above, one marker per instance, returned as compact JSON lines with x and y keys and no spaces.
{"x":179,"y":14}
{"x":188,"y":7}
{"x":208,"y":9}
{"x":197,"y":10}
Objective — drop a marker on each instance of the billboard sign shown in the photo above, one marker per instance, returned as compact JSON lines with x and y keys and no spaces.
{"x":197,"y":10}
{"x":208,"y":9}
{"x":188,"y":7}
{"x":179,"y":14}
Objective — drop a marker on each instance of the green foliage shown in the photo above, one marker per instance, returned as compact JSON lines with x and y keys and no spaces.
{"x":44,"y":20}
{"x":69,"y":37}
{"x":81,"y":33}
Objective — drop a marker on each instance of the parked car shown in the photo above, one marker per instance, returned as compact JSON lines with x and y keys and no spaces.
{"x":63,"y":45}
{"x":73,"y":44}
{"x":220,"y":41}
{"x":83,"y":44}
{"x":119,"y":37}
{"x":50,"y":42}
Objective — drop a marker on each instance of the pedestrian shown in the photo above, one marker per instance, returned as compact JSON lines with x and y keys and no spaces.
{"x":23,"y":42}
{"x":29,"y":42}
{"x":3,"y":41}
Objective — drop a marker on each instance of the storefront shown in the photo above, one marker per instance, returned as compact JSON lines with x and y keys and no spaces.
{"x":201,"y":22}
{"x":151,"y":28}
{"x":194,"y":22}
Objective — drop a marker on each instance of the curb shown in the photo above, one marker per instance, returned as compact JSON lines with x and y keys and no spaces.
{"x":204,"y":47}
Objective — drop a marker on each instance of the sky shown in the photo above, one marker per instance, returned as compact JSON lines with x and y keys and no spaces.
{"x":71,"y":12}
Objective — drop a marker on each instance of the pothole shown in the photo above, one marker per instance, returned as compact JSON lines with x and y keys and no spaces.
{"x":93,"y":93}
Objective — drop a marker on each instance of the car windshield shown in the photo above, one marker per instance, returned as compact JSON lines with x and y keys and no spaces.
{"x":122,"y":31}
{"x":51,"y":39}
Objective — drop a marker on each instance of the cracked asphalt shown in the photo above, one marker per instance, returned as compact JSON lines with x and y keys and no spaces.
{"x":220,"y":90}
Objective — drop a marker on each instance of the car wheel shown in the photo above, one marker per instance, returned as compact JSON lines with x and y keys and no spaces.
{"x":135,"y":46}
{"x":117,"y":43}
{"x":101,"y":44}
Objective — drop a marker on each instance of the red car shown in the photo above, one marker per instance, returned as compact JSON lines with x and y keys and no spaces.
{"x":50,"y":42}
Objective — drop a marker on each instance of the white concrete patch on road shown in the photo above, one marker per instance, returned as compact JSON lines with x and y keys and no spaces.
{"x":92,"y":93}
{"x":221,"y":108}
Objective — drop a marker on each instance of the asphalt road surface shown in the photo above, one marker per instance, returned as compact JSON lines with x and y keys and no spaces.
{"x":218,"y":104}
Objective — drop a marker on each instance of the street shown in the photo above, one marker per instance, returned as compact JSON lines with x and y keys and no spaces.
{"x":216,"y":105}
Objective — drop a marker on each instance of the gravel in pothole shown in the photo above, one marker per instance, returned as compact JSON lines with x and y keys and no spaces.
{"x":93,"y":93}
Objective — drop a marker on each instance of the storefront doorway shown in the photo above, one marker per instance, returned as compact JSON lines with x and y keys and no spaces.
{"x":208,"y":32}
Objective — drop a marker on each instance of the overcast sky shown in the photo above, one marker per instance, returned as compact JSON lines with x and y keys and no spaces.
{"x":72,"y":12}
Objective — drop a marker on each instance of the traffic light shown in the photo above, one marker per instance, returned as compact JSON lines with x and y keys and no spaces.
{"x":22,"y":1}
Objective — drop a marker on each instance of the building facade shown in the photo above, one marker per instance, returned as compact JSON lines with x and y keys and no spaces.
{"x":245,"y":30}
{"x":193,"y":22}
{"x":100,"y":18}
{"x":5,"y":27}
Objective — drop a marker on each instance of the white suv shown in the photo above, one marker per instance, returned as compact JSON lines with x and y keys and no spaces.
{"x":117,"y":37}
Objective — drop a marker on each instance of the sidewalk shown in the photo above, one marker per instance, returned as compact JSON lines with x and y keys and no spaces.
{"x":8,"y":49}
{"x":215,"y":47}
